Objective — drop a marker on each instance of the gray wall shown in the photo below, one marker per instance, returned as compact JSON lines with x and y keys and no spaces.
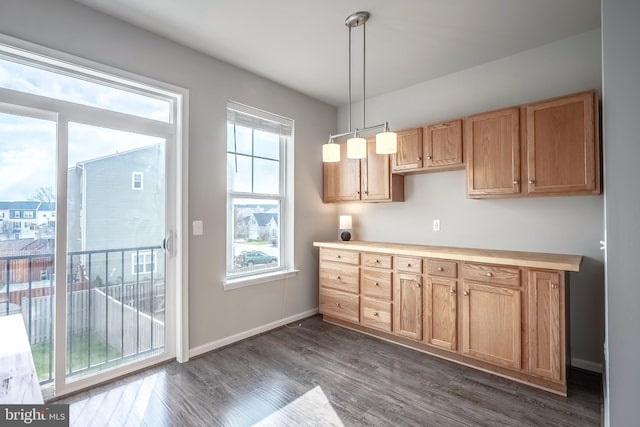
{"x":621,"y":107}
{"x":213,"y":313}
{"x":549,"y":224}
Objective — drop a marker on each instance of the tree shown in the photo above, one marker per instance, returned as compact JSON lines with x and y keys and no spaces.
{"x":44,"y":194}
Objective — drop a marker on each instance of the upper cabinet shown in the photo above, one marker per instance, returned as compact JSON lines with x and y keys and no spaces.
{"x":562,"y":150}
{"x":342,"y":179}
{"x":367,"y":180}
{"x":409,"y":155}
{"x":443,"y":146}
{"x":493,"y":153}
{"x":552,"y":144}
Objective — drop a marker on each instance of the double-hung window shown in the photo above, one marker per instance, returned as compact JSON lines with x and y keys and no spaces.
{"x":256,"y":192}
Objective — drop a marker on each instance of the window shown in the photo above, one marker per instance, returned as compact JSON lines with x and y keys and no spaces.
{"x":136,"y":180}
{"x":256,"y":191}
{"x":28,"y":214}
{"x":17,"y":214}
{"x":17,"y":225}
{"x":143,"y":262}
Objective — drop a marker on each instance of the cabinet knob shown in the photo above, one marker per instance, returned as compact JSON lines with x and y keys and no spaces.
{"x":366,"y":192}
{"x":465,"y":293}
{"x":452,"y":291}
{"x":440,"y":269}
{"x":408,"y":265}
{"x":338,"y":256}
{"x":338,"y":277}
{"x":418,"y":159}
{"x":554,"y":286}
{"x":377,"y":284}
{"x":489,"y":275}
{"x":531,"y":181}
{"x":377,"y":261}
{"x":516,"y":182}
{"x":417,"y":285}
{"x":428,"y":157}
{"x":357,"y":192}
{"x":338,"y":305}
{"x":376,"y":314}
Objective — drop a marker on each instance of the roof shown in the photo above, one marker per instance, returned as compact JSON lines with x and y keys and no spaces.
{"x":28,"y":205}
{"x":264,"y":218}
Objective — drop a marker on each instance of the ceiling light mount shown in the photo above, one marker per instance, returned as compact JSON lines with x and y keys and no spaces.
{"x":356,"y":19}
{"x":386,"y":141}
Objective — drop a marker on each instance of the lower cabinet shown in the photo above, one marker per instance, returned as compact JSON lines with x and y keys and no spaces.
{"x":503,"y":318}
{"x":491,"y":322}
{"x":407,"y":306}
{"x":441,"y":304}
{"x":545,"y":324}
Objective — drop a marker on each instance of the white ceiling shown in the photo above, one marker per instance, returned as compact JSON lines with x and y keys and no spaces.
{"x":303,"y":44}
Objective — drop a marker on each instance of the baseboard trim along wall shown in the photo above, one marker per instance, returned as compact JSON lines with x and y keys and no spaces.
{"x":587,"y":365}
{"x":201,"y":349}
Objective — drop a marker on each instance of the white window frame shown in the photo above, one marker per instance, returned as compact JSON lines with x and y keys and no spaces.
{"x":135,"y":258}
{"x":134,"y":175}
{"x":28,"y":215}
{"x":17,"y":215}
{"x":284,"y":197}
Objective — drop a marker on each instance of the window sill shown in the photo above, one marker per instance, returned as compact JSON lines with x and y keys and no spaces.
{"x":242,"y":282}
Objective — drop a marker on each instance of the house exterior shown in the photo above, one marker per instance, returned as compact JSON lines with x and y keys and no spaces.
{"x":116,"y":203}
{"x":26,"y":219}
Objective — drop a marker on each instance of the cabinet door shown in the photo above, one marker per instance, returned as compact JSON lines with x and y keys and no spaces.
{"x":409,"y":155}
{"x":443,"y":145}
{"x":376,"y":174}
{"x":493,"y":153}
{"x":407,"y":306}
{"x":342,"y":179}
{"x":441,"y":309}
{"x":546,"y":324}
{"x":491,"y":324}
{"x":562,"y":148}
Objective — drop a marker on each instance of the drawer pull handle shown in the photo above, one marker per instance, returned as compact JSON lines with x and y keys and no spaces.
{"x":376,"y":314}
{"x":465,"y":293}
{"x":408,"y":265}
{"x":377,"y":284}
{"x":338,"y":305}
{"x":489,"y":275}
{"x":554,"y":286}
{"x":440,"y":269}
{"x":339,"y":278}
{"x":377,"y":261}
{"x":338,"y":256}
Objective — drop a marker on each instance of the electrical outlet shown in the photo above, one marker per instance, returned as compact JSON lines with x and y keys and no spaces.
{"x":436,"y":225}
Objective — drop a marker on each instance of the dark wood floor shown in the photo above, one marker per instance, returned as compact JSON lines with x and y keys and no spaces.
{"x":320,"y":374}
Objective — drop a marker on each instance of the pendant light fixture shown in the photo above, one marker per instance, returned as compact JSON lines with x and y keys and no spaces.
{"x":386,"y":141}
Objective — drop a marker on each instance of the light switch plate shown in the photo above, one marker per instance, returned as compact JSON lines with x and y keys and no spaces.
{"x":198,"y":228}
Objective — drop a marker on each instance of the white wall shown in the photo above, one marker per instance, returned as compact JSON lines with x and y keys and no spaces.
{"x":213,"y":313}
{"x":549,"y":224}
{"x":621,"y":107}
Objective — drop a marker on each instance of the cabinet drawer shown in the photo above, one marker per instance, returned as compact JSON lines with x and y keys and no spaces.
{"x":496,"y":274}
{"x":342,"y":277}
{"x":340,"y":304}
{"x":442,"y":268}
{"x":338,"y":255}
{"x":376,"y":314}
{"x":411,"y":265}
{"x":377,"y":260}
{"x":376,"y":283}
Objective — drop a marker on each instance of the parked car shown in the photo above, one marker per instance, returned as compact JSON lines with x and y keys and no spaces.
{"x":250,"y":258}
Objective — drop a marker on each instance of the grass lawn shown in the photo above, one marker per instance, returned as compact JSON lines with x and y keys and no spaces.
{"x":79,"y":356}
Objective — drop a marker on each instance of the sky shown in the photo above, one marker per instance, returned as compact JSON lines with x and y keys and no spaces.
{"x":28,"y":145}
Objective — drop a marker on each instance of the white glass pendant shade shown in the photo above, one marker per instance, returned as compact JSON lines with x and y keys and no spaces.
{"x":356,"y":148}
{"x":387,"y":143}
{"x":331,"y":153}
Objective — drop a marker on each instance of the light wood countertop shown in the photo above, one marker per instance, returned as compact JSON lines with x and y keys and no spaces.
{"x":489,"y":256}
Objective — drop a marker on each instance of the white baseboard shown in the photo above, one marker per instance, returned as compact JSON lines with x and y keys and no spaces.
{"x":201,"y":349}
{"x":587,"y":365}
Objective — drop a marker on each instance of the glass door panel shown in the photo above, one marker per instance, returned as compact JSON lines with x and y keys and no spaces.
{"x":115,"y":260}
{"x":27,"y":228}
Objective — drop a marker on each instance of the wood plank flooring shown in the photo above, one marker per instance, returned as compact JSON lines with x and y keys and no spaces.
{"x":319,"y":374}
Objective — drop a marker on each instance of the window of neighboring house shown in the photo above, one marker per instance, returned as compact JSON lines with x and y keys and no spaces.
{"x":17,"y":214}
{"x":257,"y":196}
{"x":28,"y":214}
{"x":143,"y":262}
{"x":136,"y":180}
{"x":17,"y":225}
